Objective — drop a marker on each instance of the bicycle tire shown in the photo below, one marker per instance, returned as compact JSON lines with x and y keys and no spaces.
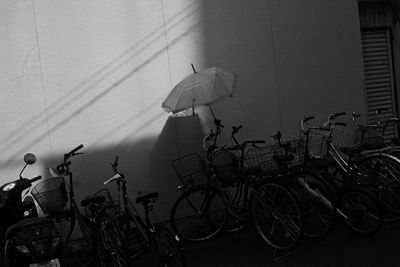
{"x":317,"y":204}
{"x":65,"y":223}
{"x":112,"y":241}
{"x":238,"y":215}
{"x":171,"y":252}
{"x":277,"y":216}
{"x":199,"y":213}
{"x":134,"y":239}
{"x":384,"y":172}
{"x":361,"y":210}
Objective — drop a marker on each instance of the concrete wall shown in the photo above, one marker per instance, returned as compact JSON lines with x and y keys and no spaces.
{"x":96,"y":73}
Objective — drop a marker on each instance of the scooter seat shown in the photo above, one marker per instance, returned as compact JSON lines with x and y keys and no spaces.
{"x":25,"y":224}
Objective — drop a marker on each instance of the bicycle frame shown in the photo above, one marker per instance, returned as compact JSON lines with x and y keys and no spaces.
{"x":242,"y":194}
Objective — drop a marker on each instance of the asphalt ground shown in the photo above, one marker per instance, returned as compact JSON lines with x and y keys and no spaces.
{"x":341,"y":247}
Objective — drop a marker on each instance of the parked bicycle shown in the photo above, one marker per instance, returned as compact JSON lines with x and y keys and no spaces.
{"x":136,"y":233}
{"x":52,"y":195}
{"x":287,"y":160}
{"x":381,"y":161}
{"x":225,"y":188}
{"x":356,"y":204}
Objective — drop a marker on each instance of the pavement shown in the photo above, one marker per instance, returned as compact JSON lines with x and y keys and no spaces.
{"x":245,"y":248}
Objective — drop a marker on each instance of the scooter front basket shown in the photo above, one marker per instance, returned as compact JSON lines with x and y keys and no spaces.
{"x":51,"y":195}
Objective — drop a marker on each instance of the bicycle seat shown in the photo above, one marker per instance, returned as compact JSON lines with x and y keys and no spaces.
{"x":96,"y":200}
{"x":147,"y":197}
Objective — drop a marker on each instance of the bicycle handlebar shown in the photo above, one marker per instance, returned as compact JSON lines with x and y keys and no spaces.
{"x":321,"y":128}
{"x":236,"y":129}
{"x":34,"y":179}
{"x":337,"y":114}
{"x":73,"y":152}
{"x":218,"y":123}
{"x":114,"y":165}
{"x":304,"y":120}
{"x":76,"y":149}
{"x":253,"y":142}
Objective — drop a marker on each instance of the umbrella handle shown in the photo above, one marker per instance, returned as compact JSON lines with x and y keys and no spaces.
{"x":193,"y":105}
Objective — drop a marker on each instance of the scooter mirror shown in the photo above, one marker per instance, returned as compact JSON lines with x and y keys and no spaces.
{"x":29,"y":158}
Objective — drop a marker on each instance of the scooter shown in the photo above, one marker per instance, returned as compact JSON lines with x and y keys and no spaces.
{"x":25,"y":239}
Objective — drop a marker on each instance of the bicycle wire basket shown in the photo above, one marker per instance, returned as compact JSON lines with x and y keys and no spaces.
{"x":110,"y":205}
{"x":225,"y":164}
{"x":274,"y":156}
{"x":257,"y":159}
{"x":318,"y":143}
{"x":190,"y":169}
{"x":51,"y":195}
{"x":368,"y":138}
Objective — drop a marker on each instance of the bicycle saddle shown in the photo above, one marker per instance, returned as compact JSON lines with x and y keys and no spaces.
{"x":95,"y":200}
{"x":147,"y":197}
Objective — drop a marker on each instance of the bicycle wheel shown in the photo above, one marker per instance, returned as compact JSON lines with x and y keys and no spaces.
{"x":316,"y":203}
{"x":135,"y":242}
{"x":199,"y":213}
{"x":65,"y":222}
{"x":361,"y":211}
{"x":238,"y":215}
{"x":112,"y":241}
{"x":277,"y":216}
{"x":171,"y":252}
{"x":384,"y":172}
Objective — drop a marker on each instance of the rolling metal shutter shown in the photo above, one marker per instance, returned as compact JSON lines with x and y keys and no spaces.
{"x":379,"y":89}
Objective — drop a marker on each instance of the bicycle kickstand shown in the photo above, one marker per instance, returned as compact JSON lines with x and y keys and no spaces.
{"x":279,"y":254}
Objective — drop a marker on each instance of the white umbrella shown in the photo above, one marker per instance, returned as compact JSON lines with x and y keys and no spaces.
{"x":202,"y":88}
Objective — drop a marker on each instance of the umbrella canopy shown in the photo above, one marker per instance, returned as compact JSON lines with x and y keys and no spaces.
{"x":201,"y":88}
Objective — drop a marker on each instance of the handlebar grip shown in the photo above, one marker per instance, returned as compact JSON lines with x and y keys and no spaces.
{"x":73,"y":151}
{"x":337,"y":114}
{"x":116,"y":161}
{"x":355,"y":115}
{"x":218,"y":123}
{"x":253,"y":142}
{"x":324,"y":128}
{"x":341,"y":123}
{"x":235,"y":147}
{"x":34,"y":179}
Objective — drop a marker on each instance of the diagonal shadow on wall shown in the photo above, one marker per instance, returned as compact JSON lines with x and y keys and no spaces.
{"x":95,"y":80}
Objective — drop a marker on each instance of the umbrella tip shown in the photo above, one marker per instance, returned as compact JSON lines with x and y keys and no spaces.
{"x":194,"y":70}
